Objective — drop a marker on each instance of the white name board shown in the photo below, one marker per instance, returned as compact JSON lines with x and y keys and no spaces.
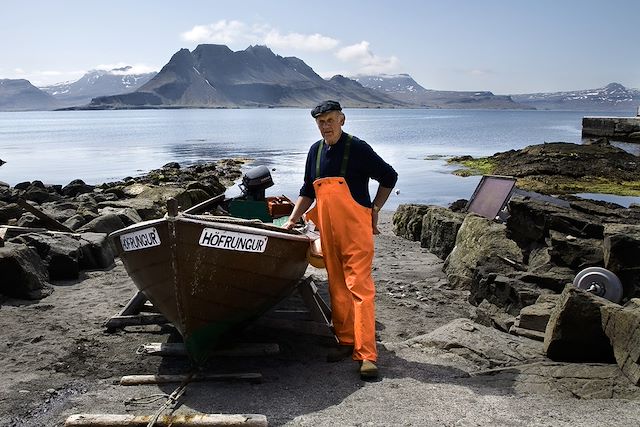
{"x":141,"y":239}
{"x":232,"y":241}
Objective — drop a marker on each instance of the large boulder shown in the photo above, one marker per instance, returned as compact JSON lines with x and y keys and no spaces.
{"x":530,"y":221}
{"x":480,"y":242}
{"x":574,"y":332}
{"x":9,"y":211}
{"x":134,"y":189}
{"x":146,"y":208}
{"x":75,"y":187}
{"x":622,"y":255}
{"x":60,"y":211}
{"x":185,"y":198}
{"x":75,"y":222}
{"x":103,"y":224}
{"x":23,"y":273}
{"x":507,"y":291}
{"x":439,"y":230}
{"x":128,"y":216}
{"x":407,"y":221}
{"x":574,"y":252}
{"x":97,"y":251}
{"x":60,"y":253}
{"x":622,"y":326}
{"x":484,"y":347}
{"x":39,"y":194}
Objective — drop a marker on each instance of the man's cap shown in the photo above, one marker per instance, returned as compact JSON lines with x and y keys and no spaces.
{"x":325,"y":106}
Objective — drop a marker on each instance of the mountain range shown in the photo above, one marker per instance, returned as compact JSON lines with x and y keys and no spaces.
{"x":97,"y":83}
{"x":403,"y":88}
{"x":214,"y":76}
{"x":612,"y":97}
{"x":21,"y":95}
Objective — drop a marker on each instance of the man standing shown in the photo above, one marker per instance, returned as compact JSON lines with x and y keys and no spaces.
{"x":337,"y":174}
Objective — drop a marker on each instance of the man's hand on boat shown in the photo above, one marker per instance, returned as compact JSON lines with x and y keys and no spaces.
{"x":289,"y":224}
{"x":302,"y":205}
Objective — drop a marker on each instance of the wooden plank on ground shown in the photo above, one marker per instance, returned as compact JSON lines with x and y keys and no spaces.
{"x":9,"y":231}
{"x":164,"y":379}
{"x":204,"y":205}
{"x":237,"y":350}
{"x":135,"y":320}
{"x":134,"y":305}
{"x":49,"y":222}
{"x":186,"y":420}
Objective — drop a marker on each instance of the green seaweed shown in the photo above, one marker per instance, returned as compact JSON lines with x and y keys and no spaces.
{"x":479,"y":166}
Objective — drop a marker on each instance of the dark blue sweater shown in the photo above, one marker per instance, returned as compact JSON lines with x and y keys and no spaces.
{"x":363,"y":164}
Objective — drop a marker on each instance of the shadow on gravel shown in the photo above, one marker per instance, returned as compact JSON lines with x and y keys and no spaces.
{"x":298,"y":381}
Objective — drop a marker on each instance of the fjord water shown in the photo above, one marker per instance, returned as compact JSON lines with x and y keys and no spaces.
{"x":100,"y":146}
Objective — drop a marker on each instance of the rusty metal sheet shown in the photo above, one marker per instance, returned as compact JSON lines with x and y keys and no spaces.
{"x":491,"y":195}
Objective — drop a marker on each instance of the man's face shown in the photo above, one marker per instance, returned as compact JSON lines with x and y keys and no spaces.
{"x":330,"y":125}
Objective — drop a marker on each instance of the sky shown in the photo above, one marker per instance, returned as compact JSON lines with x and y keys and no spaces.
{"x":504,"y":46}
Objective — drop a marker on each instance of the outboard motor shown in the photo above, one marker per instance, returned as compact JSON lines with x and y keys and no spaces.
{"x":254,"y":182}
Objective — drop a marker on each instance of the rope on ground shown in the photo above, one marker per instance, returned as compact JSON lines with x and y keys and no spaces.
{"x":146,"y":399}
{"x":171,"y":400}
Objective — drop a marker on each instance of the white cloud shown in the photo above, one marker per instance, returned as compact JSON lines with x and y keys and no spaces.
{"x":305,"y":42}
{"x":366,"y":60}
{"x":230,"y":32}
{"x":134,"y":68}
{"x":223,"y":31}
{"x":479,"y":72}
{"x":51,"y":73}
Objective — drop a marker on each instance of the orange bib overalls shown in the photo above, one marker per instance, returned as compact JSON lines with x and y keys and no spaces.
{"x":346,"y":235}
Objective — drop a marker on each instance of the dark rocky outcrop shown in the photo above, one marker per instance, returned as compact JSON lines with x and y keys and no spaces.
{"x":563,"y":168}
{"x":539,"y":250}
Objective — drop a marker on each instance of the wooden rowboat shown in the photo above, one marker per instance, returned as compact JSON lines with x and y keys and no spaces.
{"x":210,"y":275}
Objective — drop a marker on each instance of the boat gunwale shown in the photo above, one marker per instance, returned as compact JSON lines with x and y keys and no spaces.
{"x":227,"y":226}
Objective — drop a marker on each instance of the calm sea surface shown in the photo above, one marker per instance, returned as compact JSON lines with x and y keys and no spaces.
{"x":100,"y":146}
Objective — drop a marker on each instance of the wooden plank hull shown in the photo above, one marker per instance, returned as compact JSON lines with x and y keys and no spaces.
{"x":209,"y":277}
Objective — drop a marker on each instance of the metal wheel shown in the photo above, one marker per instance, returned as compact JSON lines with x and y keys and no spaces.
{"x":599,"y":281}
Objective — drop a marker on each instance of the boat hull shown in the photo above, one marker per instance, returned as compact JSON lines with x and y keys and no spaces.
{"x":211,"y":277}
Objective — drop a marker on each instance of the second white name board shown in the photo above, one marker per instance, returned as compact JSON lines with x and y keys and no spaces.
{"x":232,"y":240}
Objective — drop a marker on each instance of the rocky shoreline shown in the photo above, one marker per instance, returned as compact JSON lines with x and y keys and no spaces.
{"x":520,"y":272}
{"x":53,"y":232}
{"x":562,"y":168}
{"x":460,"y":303}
